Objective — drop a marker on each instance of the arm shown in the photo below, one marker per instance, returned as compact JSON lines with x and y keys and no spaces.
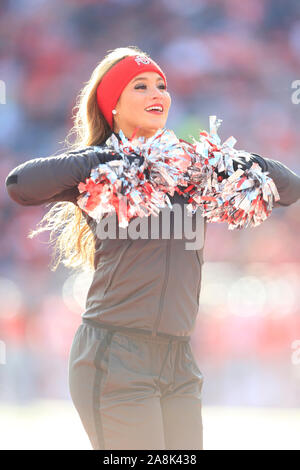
{"x":53,"y":179}
{"x":286,"y":181}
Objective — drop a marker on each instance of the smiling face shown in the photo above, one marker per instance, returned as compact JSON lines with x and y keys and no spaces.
{"x":143,"y":91}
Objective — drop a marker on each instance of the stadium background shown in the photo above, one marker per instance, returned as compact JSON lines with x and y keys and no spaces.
{"x":236,"y":60}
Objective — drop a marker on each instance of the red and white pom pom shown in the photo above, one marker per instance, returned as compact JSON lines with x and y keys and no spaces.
{"x":243,"y":198}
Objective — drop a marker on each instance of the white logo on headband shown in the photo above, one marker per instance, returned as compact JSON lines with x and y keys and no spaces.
{"x":142,"y":60}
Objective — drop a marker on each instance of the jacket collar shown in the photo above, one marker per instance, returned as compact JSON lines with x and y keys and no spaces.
{"x":117,"y":135}
{"x":108,"y":141}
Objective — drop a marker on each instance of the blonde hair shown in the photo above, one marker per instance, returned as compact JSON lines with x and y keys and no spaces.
{"x":74,"y":242}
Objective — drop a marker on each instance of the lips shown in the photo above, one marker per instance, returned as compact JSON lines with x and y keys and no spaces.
{"x":155,"y":108}
{"x":159,"y":113}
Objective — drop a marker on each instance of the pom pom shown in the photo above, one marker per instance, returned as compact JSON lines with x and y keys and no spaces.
{"x":220,"y":180}
{"x":242,"y":196}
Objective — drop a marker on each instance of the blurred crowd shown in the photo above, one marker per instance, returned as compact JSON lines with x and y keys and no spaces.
{"x":233,"y":59}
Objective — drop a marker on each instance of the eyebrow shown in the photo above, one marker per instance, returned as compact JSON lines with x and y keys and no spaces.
{"x":145,"y":78}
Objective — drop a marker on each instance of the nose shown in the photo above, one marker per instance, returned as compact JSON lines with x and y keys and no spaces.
{"x":155,"y":92}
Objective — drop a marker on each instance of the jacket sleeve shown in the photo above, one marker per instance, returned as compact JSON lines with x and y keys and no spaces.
{"x":54,"y":179}
{"x":287,"y":182}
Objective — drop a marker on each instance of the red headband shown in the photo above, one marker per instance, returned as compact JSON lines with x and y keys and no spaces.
{"x":116,"y":79}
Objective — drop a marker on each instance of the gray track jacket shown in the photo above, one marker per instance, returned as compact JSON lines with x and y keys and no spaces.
{"x":149,"y":284}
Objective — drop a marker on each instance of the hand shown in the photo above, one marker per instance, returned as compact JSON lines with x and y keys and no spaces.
{"x":244,"y":163}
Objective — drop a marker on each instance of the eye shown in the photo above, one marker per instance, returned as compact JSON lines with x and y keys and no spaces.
{"x":162,"y":87}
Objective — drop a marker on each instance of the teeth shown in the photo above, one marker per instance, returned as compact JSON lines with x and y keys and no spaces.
{"x":156,"y":108}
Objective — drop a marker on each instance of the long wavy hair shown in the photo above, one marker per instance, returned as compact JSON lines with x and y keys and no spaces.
{"x":73,"y":240}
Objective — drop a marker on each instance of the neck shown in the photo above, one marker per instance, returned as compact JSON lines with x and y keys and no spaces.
{"x":136,"y":133}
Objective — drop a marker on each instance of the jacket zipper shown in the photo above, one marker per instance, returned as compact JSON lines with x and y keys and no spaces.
{"x":162,"y":295}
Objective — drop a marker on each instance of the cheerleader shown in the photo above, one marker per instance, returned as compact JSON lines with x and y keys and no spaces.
{"x":133,"y":377}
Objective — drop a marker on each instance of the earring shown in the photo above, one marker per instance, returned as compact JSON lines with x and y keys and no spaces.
{"x":114,"y":111}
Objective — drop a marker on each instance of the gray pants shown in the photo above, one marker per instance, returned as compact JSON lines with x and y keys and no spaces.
{"x":134,"y":391}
